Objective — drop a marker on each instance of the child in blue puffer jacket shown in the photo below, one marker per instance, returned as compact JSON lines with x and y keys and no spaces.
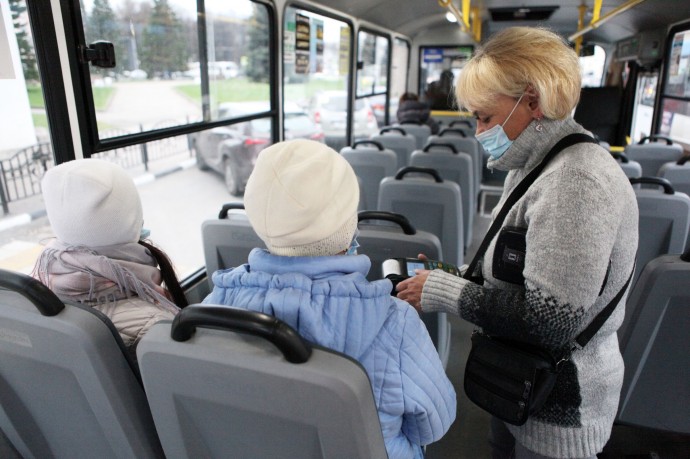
{"x":301,"y":199}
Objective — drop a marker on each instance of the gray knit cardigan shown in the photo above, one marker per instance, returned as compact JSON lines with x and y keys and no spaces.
{"x":581,"y":216}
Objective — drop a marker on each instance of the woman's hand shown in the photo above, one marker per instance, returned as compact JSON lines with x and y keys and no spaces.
{"x":410,"y":290}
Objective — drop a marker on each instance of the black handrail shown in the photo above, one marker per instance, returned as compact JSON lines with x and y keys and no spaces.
{"x":423,"y":170}
{"x":391,"y":128}
{"x":656,"y":137}
{"x":400,"y":219}
{"x":47,"y":303}
{"x":620,"y":156}
{"x":366,"y":141}
{"x":223,"y":214}
{"x":294,"y":348}
{"x":440,"y":144}
{"x":662,"y":182}
{"x":465,"y":122}
{"x":448,"y":130}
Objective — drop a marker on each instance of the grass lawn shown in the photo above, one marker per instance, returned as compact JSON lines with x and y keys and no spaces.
{"x":243,"y":90}
{"x":101,"y":96}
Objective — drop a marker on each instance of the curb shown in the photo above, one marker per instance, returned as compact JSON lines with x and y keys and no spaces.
{"x":28,"y":217}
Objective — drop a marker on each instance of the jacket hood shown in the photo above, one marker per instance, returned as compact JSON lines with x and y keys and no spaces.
{"x":328,"y":300}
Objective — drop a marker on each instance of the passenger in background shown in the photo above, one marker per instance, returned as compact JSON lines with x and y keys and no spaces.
{"x":412,"y":110}
{"x":98,"y":257}
{"x":578,"y":222}
{"x":301,"y":199}
{"x":440,"y":94}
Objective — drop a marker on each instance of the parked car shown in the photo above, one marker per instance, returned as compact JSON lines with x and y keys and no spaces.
{"x":378,"y":105}
{"x":232,"y":150}
{"x":329,"y":110}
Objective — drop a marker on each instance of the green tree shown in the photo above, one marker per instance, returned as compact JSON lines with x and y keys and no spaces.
{"x":102,"y":24}
{"x":258,"y":68}
{"x":163,"y":47}
{"x":26,"y":49}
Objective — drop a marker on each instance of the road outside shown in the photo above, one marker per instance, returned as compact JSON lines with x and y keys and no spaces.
{"x":175,"y":204}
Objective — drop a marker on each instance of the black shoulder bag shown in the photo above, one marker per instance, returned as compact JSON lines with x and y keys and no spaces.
{"x":510,"y":379}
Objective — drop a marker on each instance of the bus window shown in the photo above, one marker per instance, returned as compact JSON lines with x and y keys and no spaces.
{"x":675,"y":96}
{"x":399,"y":68}
{"x":592,"y":66}
{"x":644,"y":105}
{"x":438,"y":68}
{"x":159,"y":58}
{"x":373,"y":55}
{"x":27,"y":152}
{"x":316,"y":67}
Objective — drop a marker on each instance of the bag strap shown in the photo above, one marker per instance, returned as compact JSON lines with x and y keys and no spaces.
{"x":517,"y":193}
{"x":583,"y":338}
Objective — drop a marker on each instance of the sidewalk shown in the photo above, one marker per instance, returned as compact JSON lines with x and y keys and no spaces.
{"x":24,"y":230}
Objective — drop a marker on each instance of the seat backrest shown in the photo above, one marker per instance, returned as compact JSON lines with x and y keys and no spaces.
{"x":433,"y":205}
{"x":228,"y":240}
{"x":456,"y":167}
{"x":371,"y":162}
{"x":654,"y":341}
{"x":632,"y":169}
{"x":664,"y":220}
{"x":653,"y":155}
{"x":218,"y":388}
{"x":68,"y":390}
{"x":466,"y":144}
{"x":678,"y":173}
{"x":398,"y":140}
{"x":420,"y":131}
{"x":384,"y":235}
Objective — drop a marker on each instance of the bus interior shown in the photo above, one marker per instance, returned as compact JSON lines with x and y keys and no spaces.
{"x":185,"y":94}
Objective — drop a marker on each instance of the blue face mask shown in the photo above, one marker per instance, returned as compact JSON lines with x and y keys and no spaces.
{"x":352,"y":250}
{"x":495,"y":141}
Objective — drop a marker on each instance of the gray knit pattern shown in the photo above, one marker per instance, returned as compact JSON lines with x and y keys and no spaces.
{"x":580,"y":214}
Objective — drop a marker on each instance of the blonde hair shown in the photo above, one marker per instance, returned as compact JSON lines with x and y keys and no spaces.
{"x":515,"y":59}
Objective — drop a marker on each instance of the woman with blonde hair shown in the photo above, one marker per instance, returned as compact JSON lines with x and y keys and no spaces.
{"x":573,"y":237}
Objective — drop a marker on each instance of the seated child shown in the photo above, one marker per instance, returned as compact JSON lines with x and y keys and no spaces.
{"x":98,"y":257}
{"x":301,"y":199}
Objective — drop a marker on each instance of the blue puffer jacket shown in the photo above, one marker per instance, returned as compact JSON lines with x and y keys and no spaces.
{"x":330,"y":302}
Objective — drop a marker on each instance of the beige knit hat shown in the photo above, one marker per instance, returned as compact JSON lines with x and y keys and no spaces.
{"x":301,"y":199}
{"x":92,"y":202}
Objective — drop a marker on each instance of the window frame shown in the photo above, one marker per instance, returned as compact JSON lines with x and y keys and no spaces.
{"x":661,"y":95}
{"x":86,"y":114}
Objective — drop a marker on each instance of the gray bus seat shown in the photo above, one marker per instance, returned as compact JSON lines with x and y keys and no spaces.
{"x":68,"y":388}
{"x":218,"y":388}
{"x":652,"y":155}
{"x":465,"y":125}
{"x":678,"y":173}
{"x":664,"y":220}
{"x":466,"y":144}
{"x":420,"y":131}
{"x":654,"y":341}
{"x":632,"y":169}
{"x":371,"y":162}
{"x":398,"y":140}
{"x":228,"y":240}
{"x":431,"y":205}
{"x":456,"y":167}
{"x":384,"y":235}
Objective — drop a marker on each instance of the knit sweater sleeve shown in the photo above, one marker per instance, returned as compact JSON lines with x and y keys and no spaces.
{"x":571,"y":222}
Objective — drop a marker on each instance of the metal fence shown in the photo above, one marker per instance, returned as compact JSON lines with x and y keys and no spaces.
{"x":21,"y":174}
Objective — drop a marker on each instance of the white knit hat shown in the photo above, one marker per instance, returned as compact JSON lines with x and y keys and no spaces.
{"x":92,"y":202}
{"x":301,"y":199}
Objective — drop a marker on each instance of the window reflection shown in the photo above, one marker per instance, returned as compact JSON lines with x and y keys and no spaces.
{"x":316,"y":63}
{"x":165,"y":76}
